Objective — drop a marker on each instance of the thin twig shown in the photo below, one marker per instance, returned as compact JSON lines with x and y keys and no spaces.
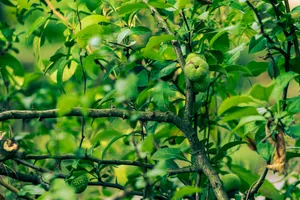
{"x":262,"y":30}
{"x":188,"y":29}
{"x":13,"y":189}
{"x":255,"y":187}
{"x":59,"y":15}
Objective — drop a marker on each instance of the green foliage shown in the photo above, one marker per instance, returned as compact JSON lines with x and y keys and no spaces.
{"x":100,"y":92}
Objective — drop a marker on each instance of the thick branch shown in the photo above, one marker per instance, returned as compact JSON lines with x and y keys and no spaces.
{"x":93,"y":113}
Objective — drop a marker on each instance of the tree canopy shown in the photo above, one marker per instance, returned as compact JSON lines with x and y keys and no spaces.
{"x":149,"y":99}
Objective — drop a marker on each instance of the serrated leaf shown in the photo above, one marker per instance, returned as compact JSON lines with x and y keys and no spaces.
{"x":169,"y":153}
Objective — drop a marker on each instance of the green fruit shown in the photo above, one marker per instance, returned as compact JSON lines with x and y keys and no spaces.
{"x":196,"y":69}
{"x":231,"y":182}
{"x":202,"y":86}
{"x":80,"y":183}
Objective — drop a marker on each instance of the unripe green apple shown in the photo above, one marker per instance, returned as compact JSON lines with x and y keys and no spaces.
{"x":202,"y":86}
{"x":80,"y":183}
{"x":231,"y":182}
{"x":196,"y":69}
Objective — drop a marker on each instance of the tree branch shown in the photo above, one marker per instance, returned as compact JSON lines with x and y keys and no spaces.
{"x":262,"y":30}
{"x":197,"y":148}
{"x":59,"y":15}
{"x":90,"y":158}
{"x":254,"y":188}
{"x":13,"y":189}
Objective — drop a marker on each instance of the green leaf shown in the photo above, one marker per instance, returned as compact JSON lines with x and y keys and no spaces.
{"x":127,"y":88}
{"x":248,"y":178}
{"x":93,"y":19}
{"x":153,"y":55}
{"x":238,"y":112}
{"x":35,"y":25}
{"x":92,"y":4}
{"x":37,"y":53}
{"x":238,"y":68}
{"x":157,"y":40}
{"x":169,"y":153}
{"x":185,"y":190}
{"x":66,"y":103}
{"x":217,"y":68}
{"x":296,"y":10}
{"x":281,"y":82}
{"x":234,"y":54}
{"x":294,"y":131}
{"x":7,"y":3}
{"x":12,"y":70}
{"x":111,"y":143}
{"x":106,"y":98}
{"x":165,"y":71}
{"x":130,"y":8}
{"x":62,"y":63}
{"x":159,"y":4}
{"x":142,"y":78}
{"x":182,"y":4}
{"x":293,"y":105}
{"x":261,"y":92}
{"x":106,"y":134}
{"x":222,"y":152}
{"x":140,"y":30}
{"x":91,"y":68}
{"x":87,"y":33}
{"x":148,"y":144}
{"x":248,"y":119}
{"x":236,"y":101}
{"x":220,"y":41}
{"x":265,"y":150}
{"x":31,"y":190}
{"x":162,"y":92}
{"x":257,"y":68}
{"x":258,"y":44}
